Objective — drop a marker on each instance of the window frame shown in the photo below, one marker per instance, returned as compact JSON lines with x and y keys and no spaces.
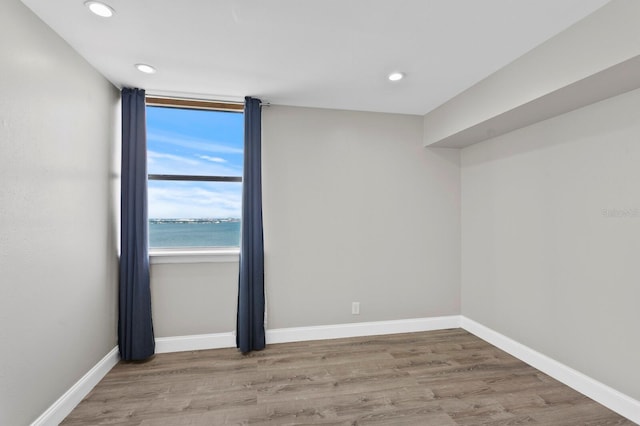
{"x":193,"y":254}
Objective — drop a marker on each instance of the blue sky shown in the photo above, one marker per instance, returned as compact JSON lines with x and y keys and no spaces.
{"x":194,"y":142}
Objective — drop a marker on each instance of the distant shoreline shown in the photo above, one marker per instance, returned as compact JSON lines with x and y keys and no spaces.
{"x":195,"y":220}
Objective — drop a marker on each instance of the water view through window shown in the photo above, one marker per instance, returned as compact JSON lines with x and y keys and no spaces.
{"x":194,"y":144}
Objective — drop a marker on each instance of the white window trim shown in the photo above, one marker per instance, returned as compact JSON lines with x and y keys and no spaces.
{"x":195,"y":255}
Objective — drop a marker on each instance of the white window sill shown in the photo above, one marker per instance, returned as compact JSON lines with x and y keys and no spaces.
{"x":205,"y":255}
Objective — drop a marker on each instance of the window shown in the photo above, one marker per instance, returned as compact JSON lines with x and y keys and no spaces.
{"x":194,"y":161}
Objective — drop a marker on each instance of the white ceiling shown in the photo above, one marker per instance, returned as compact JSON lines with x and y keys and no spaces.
{"x":318,"y":53}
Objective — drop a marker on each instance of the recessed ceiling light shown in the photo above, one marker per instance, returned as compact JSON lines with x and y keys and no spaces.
{"x":99,"y":9}
{"x":147,"y":69}
{"x":396,"y":76}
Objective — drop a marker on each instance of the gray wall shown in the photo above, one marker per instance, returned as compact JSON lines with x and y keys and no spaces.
{"x":58,"y":257}
{"x":355,"y":209}
{"x":194,"y":298}
{"x":543,"y":261}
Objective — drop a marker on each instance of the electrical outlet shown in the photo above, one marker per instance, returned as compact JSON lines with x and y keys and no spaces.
{"x":355,"y":308}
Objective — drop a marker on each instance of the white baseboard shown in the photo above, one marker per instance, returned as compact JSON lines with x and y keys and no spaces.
{"x":357,"y":329}
{"x":599,"y":392}
{"x":71,"y":398}
{"x":196,"y":342}
{"x":302,"y":334}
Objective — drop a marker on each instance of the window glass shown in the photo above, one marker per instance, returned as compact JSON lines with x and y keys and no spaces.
{"x":188,"y":152}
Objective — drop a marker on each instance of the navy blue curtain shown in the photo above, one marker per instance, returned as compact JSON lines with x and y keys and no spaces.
{"x":135,"y":329}
{"x":250,"y":323}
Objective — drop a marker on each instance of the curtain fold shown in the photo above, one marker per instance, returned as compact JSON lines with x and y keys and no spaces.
{"x":250,"y":335}
{"x":135,"y":328}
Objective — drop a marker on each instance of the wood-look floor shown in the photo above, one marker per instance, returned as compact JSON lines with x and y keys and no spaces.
{"x":439,"y":378}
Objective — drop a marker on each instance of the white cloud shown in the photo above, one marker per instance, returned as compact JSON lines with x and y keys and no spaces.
{"x":163,"y":163}
{"x":192,"y":143}
{"x":152,"y":156}
{"x":212,"y":159}
{"x":190,"y":200}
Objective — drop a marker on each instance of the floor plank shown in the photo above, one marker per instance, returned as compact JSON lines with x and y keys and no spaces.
{"x":441,"y":378}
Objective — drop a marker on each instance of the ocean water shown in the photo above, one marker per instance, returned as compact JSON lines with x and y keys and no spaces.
{"x":173,"y":233}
